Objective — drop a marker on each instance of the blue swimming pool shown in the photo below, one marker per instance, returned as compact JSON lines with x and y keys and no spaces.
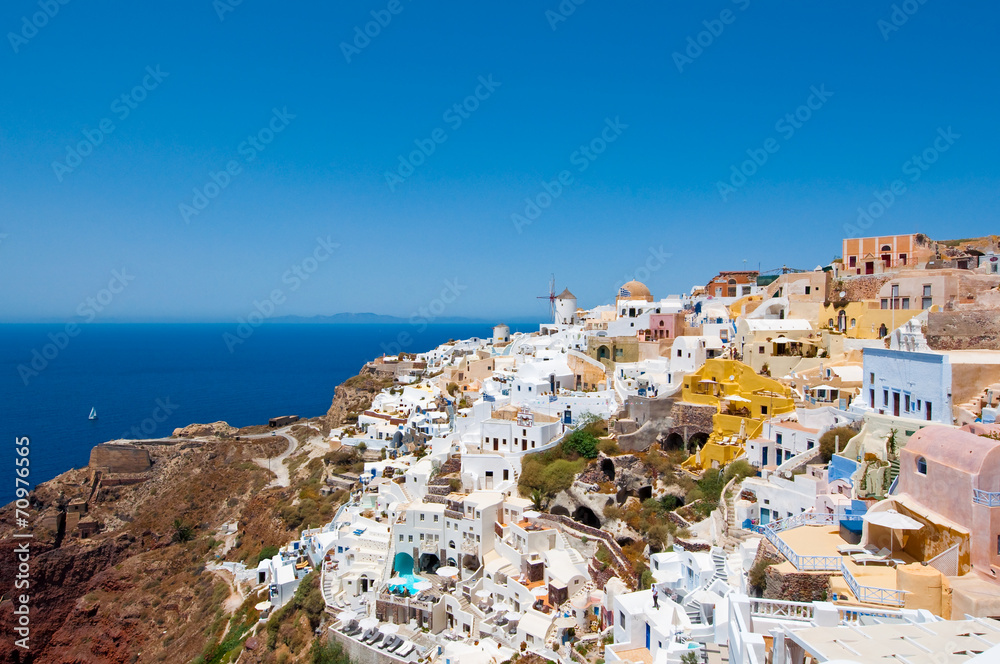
{"x":409,"y":581}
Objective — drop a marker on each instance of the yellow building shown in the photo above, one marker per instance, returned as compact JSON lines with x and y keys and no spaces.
{"x":743,"y":400}
{"x":865,"y":319}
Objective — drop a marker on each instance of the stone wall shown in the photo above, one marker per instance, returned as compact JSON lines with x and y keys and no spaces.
{"x":963,"y":330}
{"x":859,"y":288}
{"x":690,"y":418}
{"x":120,"y":458}
{"x":796,"y":586}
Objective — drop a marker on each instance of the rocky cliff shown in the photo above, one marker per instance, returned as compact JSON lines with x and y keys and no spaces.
{"x":354,"y":395}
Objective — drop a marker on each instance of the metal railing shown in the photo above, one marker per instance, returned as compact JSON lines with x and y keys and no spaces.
{"x":866,"y":594}
{"x":988,"y":498}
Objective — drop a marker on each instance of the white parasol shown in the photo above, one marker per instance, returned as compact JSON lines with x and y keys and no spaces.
{"x":894,"y":521}
{"x":447,"y":571}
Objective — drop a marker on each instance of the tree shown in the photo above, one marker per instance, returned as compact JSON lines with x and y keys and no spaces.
{"x":182,"y":531}
{"x":689,"y":658}
{"x":558,"y":476}
{"x":828,"y":441}
{"x":581,"y":442}
{"x":536,"y":499}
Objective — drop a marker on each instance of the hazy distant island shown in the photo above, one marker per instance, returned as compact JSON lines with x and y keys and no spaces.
{"x":367,"y":318}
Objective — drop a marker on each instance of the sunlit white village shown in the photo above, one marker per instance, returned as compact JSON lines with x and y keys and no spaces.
{"x":791,"y":466}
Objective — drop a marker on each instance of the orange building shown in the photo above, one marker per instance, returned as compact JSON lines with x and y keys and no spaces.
{"x":732,"y":284}
{"x":875,"y":255}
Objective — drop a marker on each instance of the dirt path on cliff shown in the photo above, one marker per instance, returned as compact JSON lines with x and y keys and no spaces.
{"x":235,"y":599}
{"x":276,"y":464}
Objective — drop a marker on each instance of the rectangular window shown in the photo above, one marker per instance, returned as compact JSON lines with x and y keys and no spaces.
{"x":810,"y":444}
{"x":621,"y":617}
{"x":763,"y":410}
{"x":927,"y":406}
{"x":411,"y":538}
{"x":760,"y":350}
{"x":906,"y":303}
{"x":852,"y":261}
{"x":871,"y":377}
{"x":421,"y":517}
{"x":435,"y":518}
{"x":927,"y":290}
{"x":895,"y":290}
{"x":902,"y":259}
{"x":506,"y":473}
{"x":777,"y":438}
{"x":926,"y":302}
{"x":906,"y":402}
{"x":807,"y":290}
{"x":885,"y":303}
{"x":885,"y":397}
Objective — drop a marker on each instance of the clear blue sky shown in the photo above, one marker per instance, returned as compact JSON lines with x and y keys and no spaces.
{"x":324,"y":173}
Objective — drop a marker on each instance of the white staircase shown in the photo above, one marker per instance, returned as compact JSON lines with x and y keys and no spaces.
{"x":719,"y":560}
{"x":693,"y":610}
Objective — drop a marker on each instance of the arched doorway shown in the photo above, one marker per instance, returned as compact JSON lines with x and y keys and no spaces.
{"x":608,"y":468}
{"x":586,"y":516}
{"x":697,"y":440}
{"x":674,"y":442}
{"x":842,"y":321}
{"x":429,"y":562}
{"x":559,"y":510}
{"x":603,"y":353}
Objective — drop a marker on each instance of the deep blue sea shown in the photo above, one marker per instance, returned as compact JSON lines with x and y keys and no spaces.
{"x":133,"y":374}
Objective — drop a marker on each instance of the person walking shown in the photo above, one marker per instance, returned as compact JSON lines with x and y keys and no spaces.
{"x":656,"y":598}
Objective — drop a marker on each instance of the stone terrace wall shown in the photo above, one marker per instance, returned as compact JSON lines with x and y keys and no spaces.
{"x":963,"y":330}
{"x":120,"y":458}
{"x":796,"y":586}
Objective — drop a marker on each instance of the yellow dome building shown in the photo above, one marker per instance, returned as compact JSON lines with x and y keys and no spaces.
{"x":632,"y":291}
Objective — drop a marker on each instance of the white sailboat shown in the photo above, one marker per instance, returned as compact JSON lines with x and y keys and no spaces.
{"x":93,"y":414}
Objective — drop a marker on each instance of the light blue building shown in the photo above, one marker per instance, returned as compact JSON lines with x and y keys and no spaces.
{"x":906,"y":384}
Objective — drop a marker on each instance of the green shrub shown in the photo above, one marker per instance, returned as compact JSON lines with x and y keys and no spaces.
{"x":828,"y":441}
{"x":581,"y":442}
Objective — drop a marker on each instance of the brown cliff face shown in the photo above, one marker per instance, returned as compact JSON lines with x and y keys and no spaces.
{"x":354,"y":395}
{"x":134,"y":591}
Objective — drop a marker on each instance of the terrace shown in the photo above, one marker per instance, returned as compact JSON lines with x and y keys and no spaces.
{"x":810,"y":541}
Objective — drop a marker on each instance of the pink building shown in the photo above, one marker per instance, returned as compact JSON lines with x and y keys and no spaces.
{"x":665,"y":326}
{"x":949,"y":479}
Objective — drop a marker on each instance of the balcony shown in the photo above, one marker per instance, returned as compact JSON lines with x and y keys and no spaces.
{"x":988,"y":498}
